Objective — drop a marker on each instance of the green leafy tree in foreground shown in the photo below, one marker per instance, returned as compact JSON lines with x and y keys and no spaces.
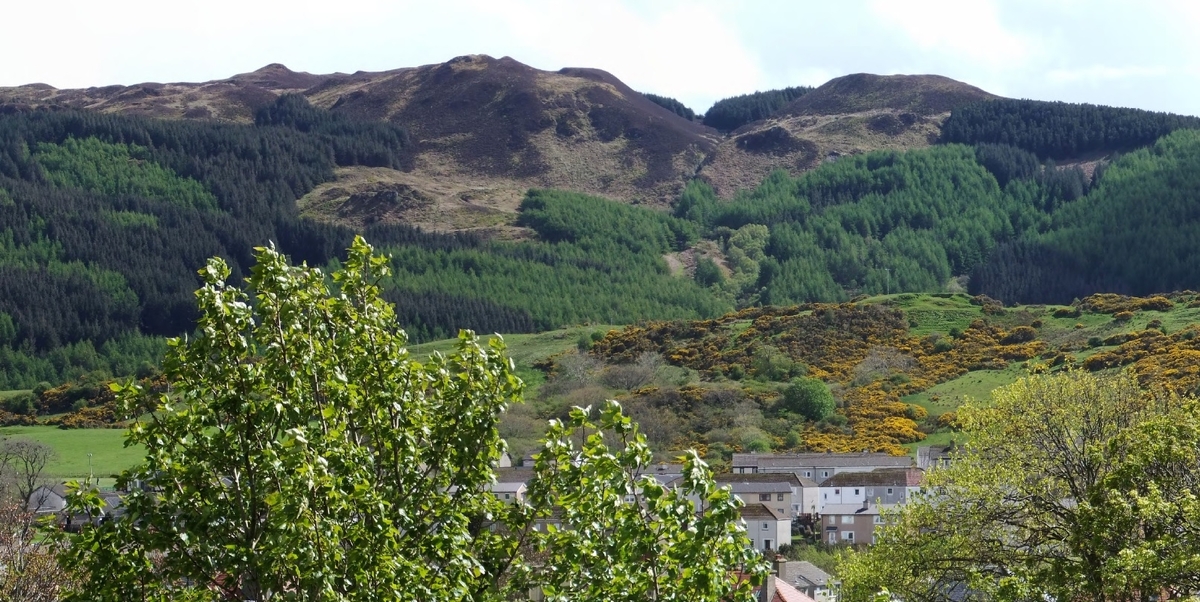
{"x":1074,"y":486}
{"x":301,"y":454}
{"x":657,"y":548}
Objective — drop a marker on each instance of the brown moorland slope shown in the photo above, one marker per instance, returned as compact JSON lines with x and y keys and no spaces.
{"x":846,"y":116}
{"x":485,"y":130}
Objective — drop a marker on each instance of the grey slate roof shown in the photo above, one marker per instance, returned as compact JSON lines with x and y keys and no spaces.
{"x":767,"y":487}
{"x":790,"y":478}
{"x":514,"y":475}
{"x":759,"y":512}
{"x":804,"y":574}
{"x":867,"y":510}
{"x":887,"y":477}
{"x":787,"y":461}
{"x":932,"y":455}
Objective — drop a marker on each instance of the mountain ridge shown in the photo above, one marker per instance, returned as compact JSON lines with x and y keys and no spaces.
{"x":486,"y":129}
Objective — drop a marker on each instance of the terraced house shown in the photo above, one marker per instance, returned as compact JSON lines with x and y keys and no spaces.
{"x":816,"y":466}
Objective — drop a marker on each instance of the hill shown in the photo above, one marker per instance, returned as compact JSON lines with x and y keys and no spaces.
{"x":922,"y":95}
{"x":483,"y":130}
{"x":898,"y":367}
{"x":848,"y":115}
{"x":107,"y":217}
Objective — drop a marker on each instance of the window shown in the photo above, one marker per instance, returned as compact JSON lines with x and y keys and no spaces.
{"x":889,"y":491}
{"x":508,"y":496}
{"x":808,"y":473}
{"x":848,"y":519}
{"x":825,"y":473}
{"x":766,"y":526}
{"x":766,"y":544}
{"x":879,"y":520}
{"x":781,"y":512}
{"x":856,"y":491}
{"x":837,"y":492}
{"x":764,"y":497}
{"x":833,"y":520}
{"x":848,"y":536}
{"x":779,"y":497}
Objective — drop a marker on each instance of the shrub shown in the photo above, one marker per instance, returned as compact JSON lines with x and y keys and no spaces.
{"x":24,"y":404}
{"x":1122,"y":316}
{"x":1067,"y":312}
{"x":1020,"y":334}
{"x":808,"y":397}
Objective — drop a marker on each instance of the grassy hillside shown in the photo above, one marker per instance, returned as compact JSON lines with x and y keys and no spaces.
{"x":898,"y":366}
{"x":710,"y":384}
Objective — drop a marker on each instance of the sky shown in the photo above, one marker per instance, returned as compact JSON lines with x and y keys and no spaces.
{"x":1142,"y":54}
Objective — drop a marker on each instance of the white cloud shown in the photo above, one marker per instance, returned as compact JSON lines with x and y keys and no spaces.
{"x":1099,"y":74}
{"x":1103,"y":51}
{"x":969,"y":30}
{"x":685,"y":50}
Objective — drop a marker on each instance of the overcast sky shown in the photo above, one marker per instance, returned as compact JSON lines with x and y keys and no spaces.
{"x":1139,"y":54}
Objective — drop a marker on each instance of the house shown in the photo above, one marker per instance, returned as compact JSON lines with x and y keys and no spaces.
{"x":514,"y":475}
{"x":665,"y":473}
{"x":804,"y":489}
{"x":113,"y":507}
{"x":852,"y":523}
{"x":930,"y":457}
{"x":511,"y":492}
{"x":47,"y":499}
{"x":505,"y":460}
{"x":52,"y":499}
{"x":775,"y":589}
{"x":883,"y":486}
{"x":808,"y":578}
{"x":777,"y":495}
{"x":816,"y":466}
{"x":766,"y":528}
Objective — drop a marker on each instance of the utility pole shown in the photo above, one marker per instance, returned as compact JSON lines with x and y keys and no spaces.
{"x":889,"y":280}
{"x":90,"y":467}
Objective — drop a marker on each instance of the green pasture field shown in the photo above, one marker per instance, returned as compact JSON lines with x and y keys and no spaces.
{"x":109,"y":455}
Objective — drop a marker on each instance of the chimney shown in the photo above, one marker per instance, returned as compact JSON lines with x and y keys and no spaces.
{"x":777,"y":566}
{"x":766,"y":593}
{"x":866,"y":504}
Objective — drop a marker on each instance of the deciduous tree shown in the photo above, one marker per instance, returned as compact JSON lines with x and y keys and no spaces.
{"x":302,"y":454}
{"x":1074,"y":486}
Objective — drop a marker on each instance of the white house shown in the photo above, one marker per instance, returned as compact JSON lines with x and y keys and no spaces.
{"x":47,"y":499}
{"x":511,"y":492}
{"x":804,"y":491}
{"x":881,"y":486}
{"x":765,"y":527}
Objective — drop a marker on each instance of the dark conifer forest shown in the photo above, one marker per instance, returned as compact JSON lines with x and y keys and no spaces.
{"x":1060,"y":130}
{"x":732,"y":113}
{"x":671,"y":105}
{"x":105,"y":219}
